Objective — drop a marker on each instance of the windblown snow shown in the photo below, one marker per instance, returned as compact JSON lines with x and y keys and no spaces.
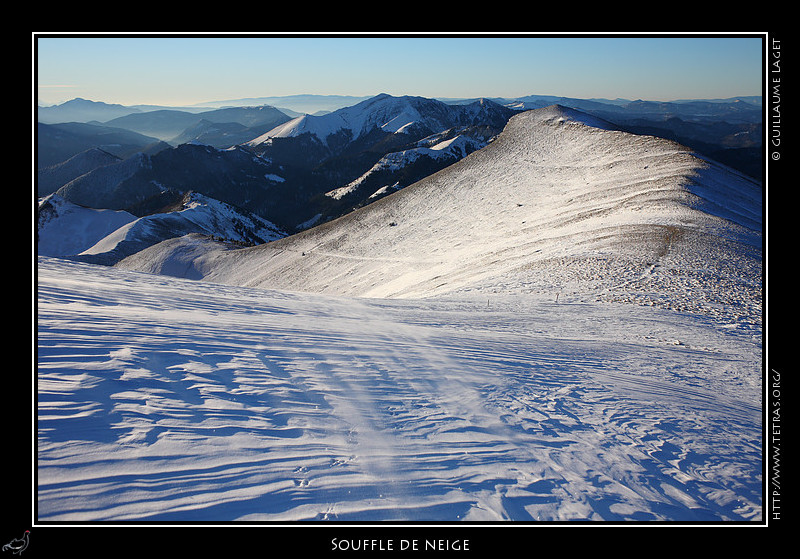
{"x":565,"y":325}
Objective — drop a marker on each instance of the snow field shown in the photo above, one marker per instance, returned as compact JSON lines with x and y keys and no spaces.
{"x":164,"y":399}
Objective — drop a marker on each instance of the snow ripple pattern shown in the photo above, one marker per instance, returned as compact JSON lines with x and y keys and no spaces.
{"x":164,"y":399}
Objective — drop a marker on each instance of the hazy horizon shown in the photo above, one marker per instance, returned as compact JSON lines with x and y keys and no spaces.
{"x":180,"y":70}
{"x":212,"y":103}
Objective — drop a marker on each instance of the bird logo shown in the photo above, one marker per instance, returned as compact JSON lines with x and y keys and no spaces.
{"x":18,"y":545}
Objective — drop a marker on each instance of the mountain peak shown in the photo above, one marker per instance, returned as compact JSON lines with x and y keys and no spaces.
{"x":559,"y":114}
{"x":89,"y":103}
{"x":384,"y":112}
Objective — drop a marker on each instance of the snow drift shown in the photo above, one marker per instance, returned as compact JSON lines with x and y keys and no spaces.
{"x":166,"y":400}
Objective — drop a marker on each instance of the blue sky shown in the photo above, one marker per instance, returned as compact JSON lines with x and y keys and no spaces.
{"x":184,"y":70}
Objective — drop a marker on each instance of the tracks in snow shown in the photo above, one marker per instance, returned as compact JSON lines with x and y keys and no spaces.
{"x":163,"y":399}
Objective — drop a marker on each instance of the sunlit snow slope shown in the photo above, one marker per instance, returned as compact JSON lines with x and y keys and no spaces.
{"x":560,"y":203}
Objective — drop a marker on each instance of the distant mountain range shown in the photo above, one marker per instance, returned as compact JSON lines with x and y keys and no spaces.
{"x":730,"y":130}
{"x":297,"y":172}
{"x":285,"y":174}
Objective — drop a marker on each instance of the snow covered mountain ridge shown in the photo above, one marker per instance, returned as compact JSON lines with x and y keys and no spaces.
{"x":106,"y":236}
{"x":384,"y":112}
{"x":560,"y":202}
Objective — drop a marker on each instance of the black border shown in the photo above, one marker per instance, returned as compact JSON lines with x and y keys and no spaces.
{"x":210,"y":539}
